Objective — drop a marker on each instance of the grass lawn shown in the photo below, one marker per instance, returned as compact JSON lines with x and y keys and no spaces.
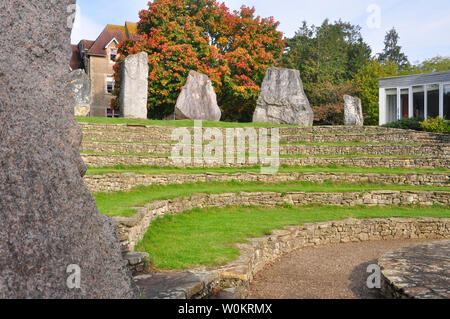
{"x":122,"y":203}
{"x":155,"y":170}
{"x":183,"y":123}
{"x":205,"y":237}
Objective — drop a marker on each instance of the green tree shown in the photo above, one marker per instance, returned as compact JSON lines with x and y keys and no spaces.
{"x":393,"y":51}
{"x":436,"y":64}
{"x":367,"y":82}
{"x":328,"y":57}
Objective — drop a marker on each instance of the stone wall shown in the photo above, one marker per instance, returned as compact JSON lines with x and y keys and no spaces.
{"x":133,"y":229}
{"x":126,"y":181}
{"x":93,"y":160}
{"x":147,"y":148}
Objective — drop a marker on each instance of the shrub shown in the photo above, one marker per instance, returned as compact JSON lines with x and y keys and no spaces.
{"x":330,"y":114}
{"x":406,"y":124}
{"x":436,"y":125}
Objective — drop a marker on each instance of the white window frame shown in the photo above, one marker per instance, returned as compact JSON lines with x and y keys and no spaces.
{"x":410,"y":94}
{"x":441,"y":97}
{"x":117,"y":53}
{"x":113,"y":83}
{"x":399,"y":101}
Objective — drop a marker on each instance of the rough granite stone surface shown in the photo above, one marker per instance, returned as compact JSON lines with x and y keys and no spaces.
{"x":197,"y":100}
{"x":283,"y":100}
{"x":134,"y":86}
{"x":48,"y":218}
{"x":353,"y":114}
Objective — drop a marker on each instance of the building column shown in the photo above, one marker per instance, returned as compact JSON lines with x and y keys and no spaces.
{"x":410,"y":102}
{"x":382,"y":107}
{"x":399,"y":104}
{"x":441,"y":100}
{"x":425,"y":108}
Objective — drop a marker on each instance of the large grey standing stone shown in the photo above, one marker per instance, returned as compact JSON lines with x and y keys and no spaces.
{"x":353,"y":114}
{"x":48,"y":218}
{"x":283,"y":100}
{"x":80,"y":87}
{"x":197,"y":100}
{"x":134,"y":86}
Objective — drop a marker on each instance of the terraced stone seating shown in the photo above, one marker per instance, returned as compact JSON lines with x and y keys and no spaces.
{"x":110,"y":145}
{"x":407,"y":168}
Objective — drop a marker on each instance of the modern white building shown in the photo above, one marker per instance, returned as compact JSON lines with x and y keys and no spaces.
{"x":415,"y":96}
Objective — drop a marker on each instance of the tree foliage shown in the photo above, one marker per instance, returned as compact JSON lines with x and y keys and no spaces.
{"x":366,"y":80}
{"x":233,"y":48}
{"x":328,"y":58}
{"x":436,"y":64}
{"x":392,"y":52}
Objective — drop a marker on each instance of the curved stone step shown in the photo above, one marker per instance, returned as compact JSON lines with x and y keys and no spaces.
{"x":232,"y":280}
{"x":132,"y":229}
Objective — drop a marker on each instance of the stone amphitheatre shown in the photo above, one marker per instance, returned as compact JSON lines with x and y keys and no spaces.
{"x":410,"y":168}
{"x":344,"y":198}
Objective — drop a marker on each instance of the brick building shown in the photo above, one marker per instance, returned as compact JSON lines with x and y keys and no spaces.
{"x":97,"y":58}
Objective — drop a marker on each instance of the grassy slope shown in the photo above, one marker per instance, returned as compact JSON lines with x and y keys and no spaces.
{"x":205,"y":237}
{"x":121,"y":203}
{"x":144,"y":169}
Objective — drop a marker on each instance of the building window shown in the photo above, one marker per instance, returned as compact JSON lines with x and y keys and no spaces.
{"x":404,"y":101}
{"x":447,"y":102}
{"x":109,"y":84}
{"x":391,"y":105}
{"x":113,"y":55}
{"x":433,"y":101}
{"x":419,"y":102}
{"x":112,"y":113}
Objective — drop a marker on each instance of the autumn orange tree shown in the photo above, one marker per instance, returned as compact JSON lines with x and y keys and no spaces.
{"x":233,"y":48}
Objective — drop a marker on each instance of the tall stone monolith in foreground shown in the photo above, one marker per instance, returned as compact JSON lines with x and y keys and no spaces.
{"x":282,"y":99}
{"x":134,"y":86}
{"x":53,"y":241}
{"x":353,"y":113}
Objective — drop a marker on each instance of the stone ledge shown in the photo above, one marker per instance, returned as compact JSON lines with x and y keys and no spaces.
{"x":132,"y":231}
{"x":419,"y":272}
{"x":194,"y":284}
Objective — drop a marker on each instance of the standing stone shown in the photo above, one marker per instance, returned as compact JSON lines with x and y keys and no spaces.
{"x":80,"y":86}
{"x":353,"y":114}
{"x":134,"y":86}
{"x":283,"y":100}
{"x":50,"y":227}
{"x":197,"y":100}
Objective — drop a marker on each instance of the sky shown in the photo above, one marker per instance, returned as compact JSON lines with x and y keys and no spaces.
{"x":423,"y":25}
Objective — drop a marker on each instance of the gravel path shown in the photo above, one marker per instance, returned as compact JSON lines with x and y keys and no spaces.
{"x":326,"y":272}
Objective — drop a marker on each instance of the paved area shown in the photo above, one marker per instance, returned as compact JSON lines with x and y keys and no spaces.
{"x":327,"y":272}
